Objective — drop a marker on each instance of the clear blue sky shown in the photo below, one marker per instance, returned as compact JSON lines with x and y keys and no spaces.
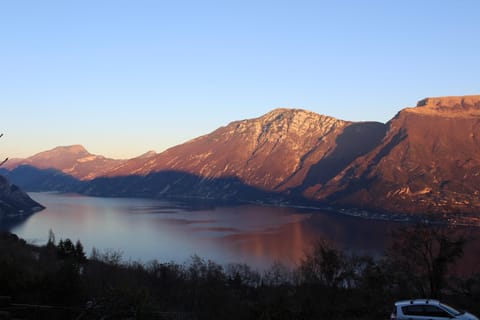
{"x":125,"y":77}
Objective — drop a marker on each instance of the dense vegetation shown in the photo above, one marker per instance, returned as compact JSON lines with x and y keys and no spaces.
{"x":327,"y":284}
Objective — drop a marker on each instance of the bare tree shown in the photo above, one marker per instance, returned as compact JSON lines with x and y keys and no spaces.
{"x":6,"y":159}
{"x":324,"y":265}
{"x":424,"y":254}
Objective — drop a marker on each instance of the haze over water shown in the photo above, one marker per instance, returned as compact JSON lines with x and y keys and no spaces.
{"x":145,"y":229}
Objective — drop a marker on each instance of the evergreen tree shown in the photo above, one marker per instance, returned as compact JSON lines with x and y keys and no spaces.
{"x":79,"y":252}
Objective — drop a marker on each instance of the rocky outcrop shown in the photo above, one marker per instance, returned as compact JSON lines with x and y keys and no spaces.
{"x":14,"y":202}
{"x":450,"y":107}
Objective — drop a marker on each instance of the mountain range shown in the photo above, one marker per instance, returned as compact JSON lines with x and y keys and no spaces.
{"x":425,"y":160}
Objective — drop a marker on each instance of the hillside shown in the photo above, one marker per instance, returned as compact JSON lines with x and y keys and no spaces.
{"x":269,"y":152}
{"x":429,"y":161}
{"x":276,"y":154}
{"x":14,"y":202}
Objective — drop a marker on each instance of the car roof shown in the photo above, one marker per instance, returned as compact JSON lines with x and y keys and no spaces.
{"x":417,"y":301}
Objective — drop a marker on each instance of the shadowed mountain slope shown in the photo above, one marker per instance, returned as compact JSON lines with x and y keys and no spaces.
{"x":14,"y":202}
{"x":30,"y":178}
{"x":178,"y":185}
{"x":428,"y":162}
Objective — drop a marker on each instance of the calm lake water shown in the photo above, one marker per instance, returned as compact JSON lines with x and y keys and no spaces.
{"x":146,"y":229}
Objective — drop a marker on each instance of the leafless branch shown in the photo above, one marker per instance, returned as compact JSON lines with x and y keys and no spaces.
{"x":1,"y":164}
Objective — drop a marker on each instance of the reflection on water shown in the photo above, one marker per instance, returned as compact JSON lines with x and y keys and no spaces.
{"x":145,"y":229}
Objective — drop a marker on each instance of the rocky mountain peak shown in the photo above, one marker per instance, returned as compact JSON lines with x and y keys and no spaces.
{"x":62,"y":152}
{"x":457,"y":106}
{"x":282,"y":121}
{"x":285,"y":112}
{"x":264,"y":151}
{"x":77,"y":148}
{"x":73,"y":150}
{"x":293,"y":114}
{"x":147,"y":154}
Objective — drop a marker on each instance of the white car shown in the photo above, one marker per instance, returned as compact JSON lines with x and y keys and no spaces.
{"x":427,"y":310}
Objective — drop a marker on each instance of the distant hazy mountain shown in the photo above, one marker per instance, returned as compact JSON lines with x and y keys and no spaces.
{"x":74,"y":161}
{"x":426,"y":159}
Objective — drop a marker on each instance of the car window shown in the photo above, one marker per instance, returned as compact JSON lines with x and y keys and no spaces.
{"x":434,"y":311}
{"x":425,"y":310}
{"x":453,"y":311}
{"x":414,"y":310}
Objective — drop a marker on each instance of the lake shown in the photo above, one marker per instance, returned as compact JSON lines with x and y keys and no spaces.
{"x":147,"y":229}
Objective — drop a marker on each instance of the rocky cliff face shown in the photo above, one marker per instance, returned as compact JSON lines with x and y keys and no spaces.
{"x":429,"y":162}
{"x":14,"y":202}
{"x":74,"y":161}
{"x":274,"y":152}
{"x":263,"y":152}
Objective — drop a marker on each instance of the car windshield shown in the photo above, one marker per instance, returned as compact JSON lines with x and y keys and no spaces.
{"x":451,"y":310}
